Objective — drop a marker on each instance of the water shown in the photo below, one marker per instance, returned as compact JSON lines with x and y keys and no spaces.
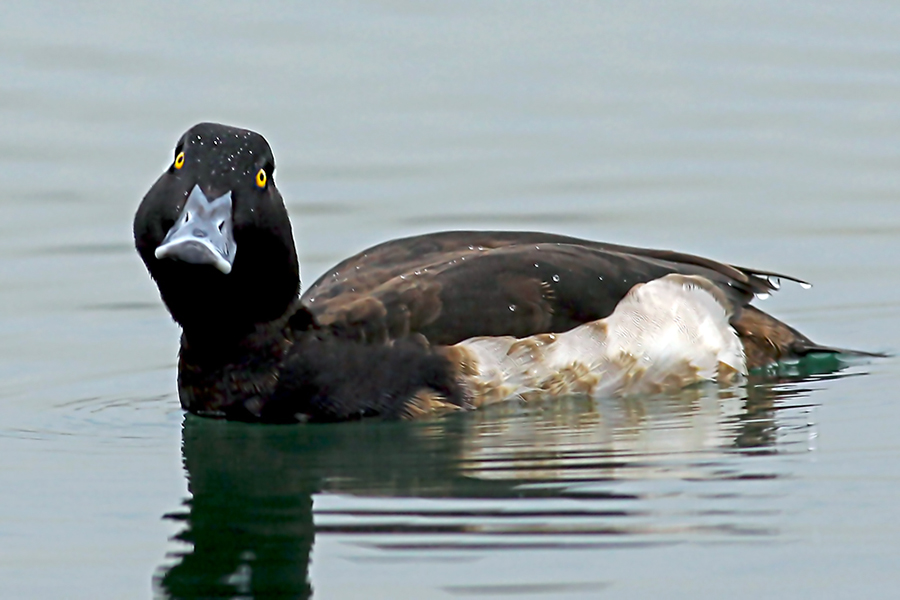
{"x":763,"y":134}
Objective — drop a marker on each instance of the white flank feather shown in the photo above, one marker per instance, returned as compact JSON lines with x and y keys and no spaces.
{"x":663,"y":335}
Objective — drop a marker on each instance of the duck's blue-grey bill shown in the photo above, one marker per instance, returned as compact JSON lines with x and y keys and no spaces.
{"x":203,"y":234}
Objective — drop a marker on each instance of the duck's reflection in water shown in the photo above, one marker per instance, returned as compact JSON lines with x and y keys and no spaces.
{"x":571,"y":472}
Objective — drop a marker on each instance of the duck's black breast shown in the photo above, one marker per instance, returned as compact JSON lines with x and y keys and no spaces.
{"x":327,"y":378}
{"x":307,"y":374}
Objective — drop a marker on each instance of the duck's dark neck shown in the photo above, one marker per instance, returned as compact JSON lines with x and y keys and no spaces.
{"x":232,"y":372}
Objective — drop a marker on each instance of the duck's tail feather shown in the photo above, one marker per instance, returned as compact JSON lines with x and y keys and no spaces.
{"x":817,"y":348}
{"x":767,"y":340}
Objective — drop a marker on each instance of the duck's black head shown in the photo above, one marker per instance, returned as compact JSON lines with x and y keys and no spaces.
{"x":215,"y":235}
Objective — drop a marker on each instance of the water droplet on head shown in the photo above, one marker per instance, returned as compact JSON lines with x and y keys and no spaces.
{"x":536,"y":265}
{"x":512,"y":308}
{"x":556,"y":278}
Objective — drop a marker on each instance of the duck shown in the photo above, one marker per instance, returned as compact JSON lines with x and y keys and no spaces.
{"x":427,"y":324}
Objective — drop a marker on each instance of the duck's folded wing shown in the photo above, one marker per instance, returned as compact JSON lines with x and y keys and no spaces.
{"x":513,"y":289}
{"x":374,"y":266}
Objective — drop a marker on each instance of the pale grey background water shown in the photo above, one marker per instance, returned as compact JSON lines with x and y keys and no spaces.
{"x":765,"y":134}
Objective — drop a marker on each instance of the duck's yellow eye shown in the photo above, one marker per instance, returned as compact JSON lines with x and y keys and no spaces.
{"x":261,"y":178}
{"x":179,"y":160}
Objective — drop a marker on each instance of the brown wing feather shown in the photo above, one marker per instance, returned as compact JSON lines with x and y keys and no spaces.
{"x":452,"y":286}
{"x":398,"y":308}
{"x":372,"y":267}
{"x":494,"y":288}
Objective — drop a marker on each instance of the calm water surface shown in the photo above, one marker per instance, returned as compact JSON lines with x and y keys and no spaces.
{"x":765,"y":134}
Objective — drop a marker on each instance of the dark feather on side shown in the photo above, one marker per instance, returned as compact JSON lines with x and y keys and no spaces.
{"x":373,"y":380}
